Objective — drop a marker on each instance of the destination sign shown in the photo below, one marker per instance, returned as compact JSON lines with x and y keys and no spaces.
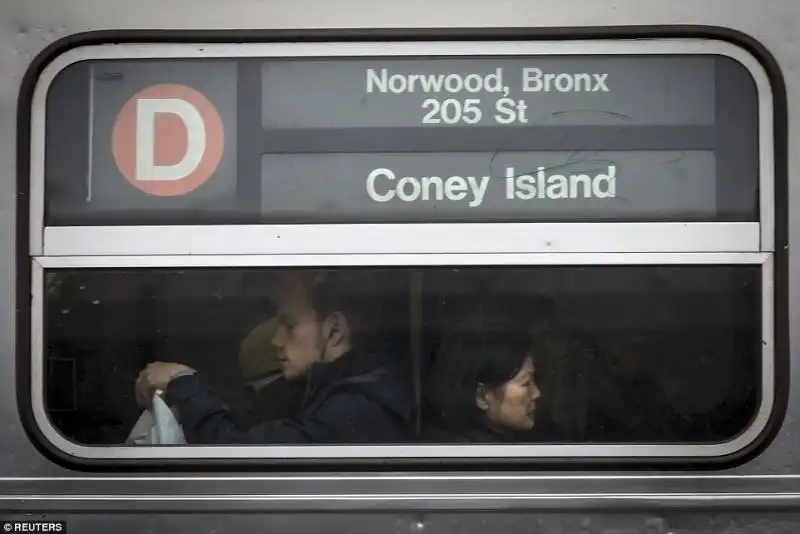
{"x":397,"y":139}
{"x":519,"y":91}
{"x":519,"y":186}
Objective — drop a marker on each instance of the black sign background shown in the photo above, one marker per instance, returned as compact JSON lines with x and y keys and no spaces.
{"x":243,"y":191}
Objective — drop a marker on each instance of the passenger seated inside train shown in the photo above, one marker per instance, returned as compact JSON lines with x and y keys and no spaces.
{"x":327,"y":324}
{"x":482,"y":386}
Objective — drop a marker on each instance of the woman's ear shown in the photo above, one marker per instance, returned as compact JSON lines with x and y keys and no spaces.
{"x":482,"y":397}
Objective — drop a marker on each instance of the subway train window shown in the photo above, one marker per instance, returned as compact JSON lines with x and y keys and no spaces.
{"x":614,"y":354}
{"x":423,"y":250}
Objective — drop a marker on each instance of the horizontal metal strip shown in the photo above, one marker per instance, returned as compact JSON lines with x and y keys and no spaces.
{"x":405,"y":452}
{"x":743,"y":483}
{"x":297,"y":260}
{"x":441,"y":501}
{"x":402,"y":239}
{"x":446,"y":482}
{"x":481,"y":48}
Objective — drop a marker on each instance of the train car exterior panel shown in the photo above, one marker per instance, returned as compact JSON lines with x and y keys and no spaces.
{"x":702,"y":500}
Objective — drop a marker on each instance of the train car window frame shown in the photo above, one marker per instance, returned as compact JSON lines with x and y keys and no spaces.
{"x":331,"y":245}
{"x":420,"y":451}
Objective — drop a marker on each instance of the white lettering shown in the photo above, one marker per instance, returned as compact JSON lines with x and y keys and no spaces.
{"x":493,"y":83}
{"x":411,"y":189}
{"x":383,"y":81}
{"x":431,"y":84}
{"x":452,"y":111}
{"x":374,"y":80}
{"x":384,"y":185}
{"x":413,"y":194}
{"x":472,"y":83}
{"x":578,"y":181}
{"x":600,"y":82}
{"x":609,"y":181}
{"x":510,"y":111}
{"x":583,"y":82}
{"x":456,"y":188}
{"x":372,"y":192}
{"x":559,"y":186}
{"x":429,"y":183}
{"x":564,"y":83}
{"x":526,"y":185}
{"x":536,"y":80}
{"x":454,"y":83}
{"x":398,"y":84}
{"x":478,"y":189}
{"x":146,"y":110}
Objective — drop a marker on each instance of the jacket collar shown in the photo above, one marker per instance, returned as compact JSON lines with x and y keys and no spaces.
{"x":349,"y":364}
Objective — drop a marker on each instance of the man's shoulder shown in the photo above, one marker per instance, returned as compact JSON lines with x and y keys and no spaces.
{"x":382,"y":384}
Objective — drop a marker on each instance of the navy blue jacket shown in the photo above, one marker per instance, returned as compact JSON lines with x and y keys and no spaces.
{"x":358,"y":398}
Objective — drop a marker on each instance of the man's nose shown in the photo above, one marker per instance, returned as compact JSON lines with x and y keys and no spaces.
{"x":278,"y":337}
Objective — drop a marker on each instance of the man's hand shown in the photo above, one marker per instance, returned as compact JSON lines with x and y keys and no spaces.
{"x":156,"y":376}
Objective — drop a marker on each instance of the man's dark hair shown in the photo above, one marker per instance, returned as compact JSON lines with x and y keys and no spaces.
{"x":361,"y":295}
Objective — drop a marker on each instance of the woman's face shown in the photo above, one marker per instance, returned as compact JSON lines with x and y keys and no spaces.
{"x":512,"y":405}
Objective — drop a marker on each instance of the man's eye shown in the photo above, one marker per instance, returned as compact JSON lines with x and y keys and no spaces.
{"x":285,"y":320}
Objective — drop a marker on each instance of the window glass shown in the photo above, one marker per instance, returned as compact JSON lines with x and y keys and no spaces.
{"x":590,"y":354}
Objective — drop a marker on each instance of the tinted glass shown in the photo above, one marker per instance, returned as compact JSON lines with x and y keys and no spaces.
{"x":640,"y":354}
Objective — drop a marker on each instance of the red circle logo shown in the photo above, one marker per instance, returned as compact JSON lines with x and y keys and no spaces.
{"x":168,"y":140}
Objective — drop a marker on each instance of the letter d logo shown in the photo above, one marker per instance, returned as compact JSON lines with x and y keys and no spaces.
{"x":168,"y":140}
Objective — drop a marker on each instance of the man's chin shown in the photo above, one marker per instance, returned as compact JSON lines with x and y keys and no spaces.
{"x":291,"y":374}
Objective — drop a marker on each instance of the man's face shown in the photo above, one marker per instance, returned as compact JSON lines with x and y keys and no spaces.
{"x":298,"y":336}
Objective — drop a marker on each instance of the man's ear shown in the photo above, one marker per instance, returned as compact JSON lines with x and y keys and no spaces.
{"x":337,"y":330}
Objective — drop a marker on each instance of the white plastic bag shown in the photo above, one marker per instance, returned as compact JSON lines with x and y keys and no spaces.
{"x":157,"y":426}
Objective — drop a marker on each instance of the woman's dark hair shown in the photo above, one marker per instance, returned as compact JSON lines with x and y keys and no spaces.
{"x":483,"y":351}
